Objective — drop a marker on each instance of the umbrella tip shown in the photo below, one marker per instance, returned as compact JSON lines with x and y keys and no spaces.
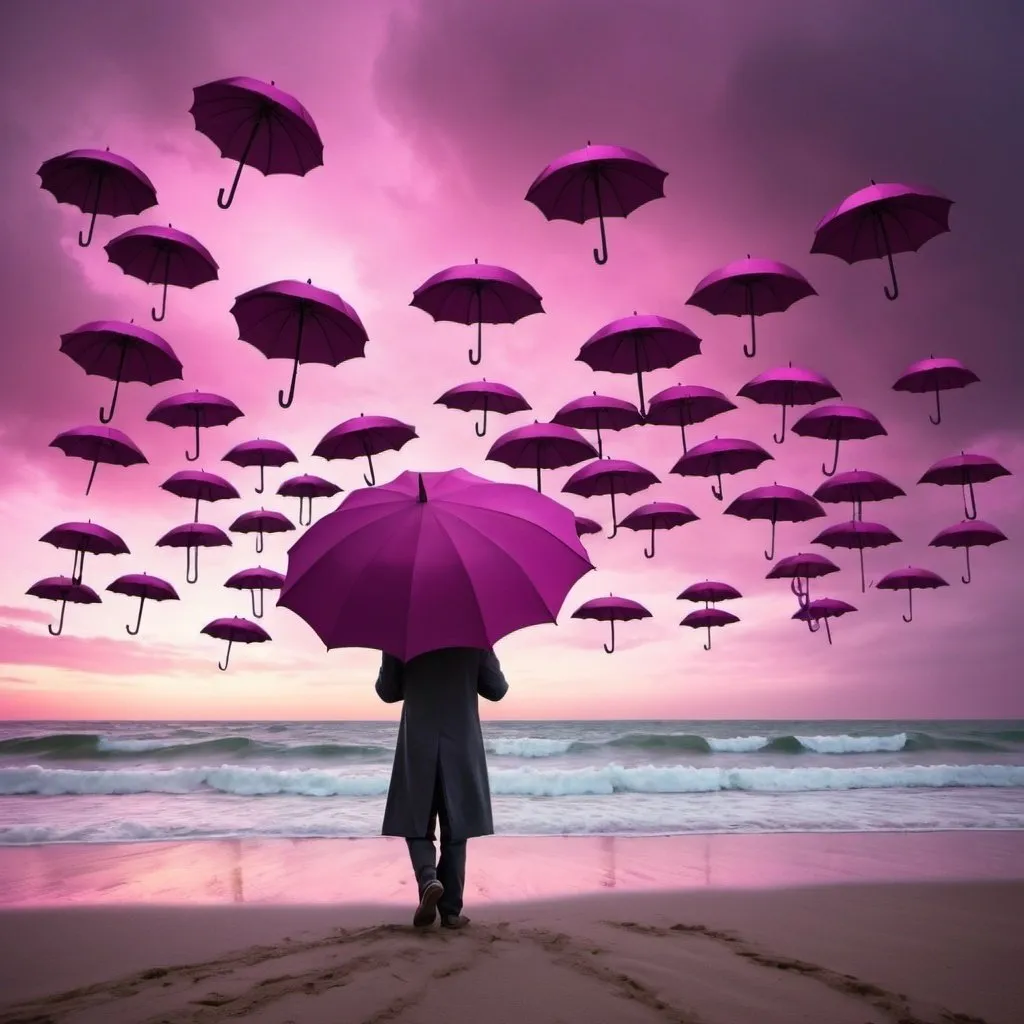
{"x":423,"y":491}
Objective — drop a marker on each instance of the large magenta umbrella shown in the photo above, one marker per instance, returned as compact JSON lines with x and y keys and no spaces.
{"x":721,"y":455}
{"x":820,"y":610}
{"x":365,"y":436}
{"x":936,"y":375}
{"x":97,"y":182}
{"x":611,"y":609}
{"x":260,"y":522}
{"x":63,"y":589}
{"x":788,"y":386}
{"x":596,"y":181}
{"x":541,"y":446}
{"x":433,"y":560}
{"x":965,"y":469}
{"x":256,"y":580}
{"x":705,"y":618}
{"x":477,"y":293}
{"x":192,"y":537}
{"x":484,"y":396}
{"x":197,"y":485}
{"x":256,"y":124}
{"x":710,"y":592}
{"x":99,"y":444}
{"x":611,"y":477}
{"x":750,"y":287}
{"x":805,"y":566}
{"x":971,"y":533}
{"x":235,"y":630}
{"x":84,"y":539}
{"x":685,"y":404}
{"x":145,"y":588}
{"x":594,"y":412}
{"x":856,"y":534}
{"x":307,"y":487}
{"x":777,"y":504}
{"x":857,"y":486}
{"x":261,"y":452}
{"x":910,"y":579}
{"x":838,"y":423}
{"x":658,"y":515}
{"x":195,"y":409}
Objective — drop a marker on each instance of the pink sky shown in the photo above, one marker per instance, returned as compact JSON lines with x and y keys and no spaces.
{"x":436,"y":117}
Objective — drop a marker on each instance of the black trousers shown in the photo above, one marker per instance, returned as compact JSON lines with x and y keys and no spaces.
{"x":450,"y":870}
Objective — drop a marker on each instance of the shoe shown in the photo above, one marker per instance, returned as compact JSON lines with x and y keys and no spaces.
{"x":454,"y":921}
{"x":426,"y":912}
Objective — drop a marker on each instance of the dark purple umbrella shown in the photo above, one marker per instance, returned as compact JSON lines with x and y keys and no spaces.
{"x":484,"y":396}
{"x":880,"y":221}
{"x":838,"y":423}
{"x":820,"y":610}
{"x":261,"y":522}
{"x":804,"y":566}
{"x":84,"y":539}
{"x":639,"y":344}
{"x":936,"y":375}
{"x":197,"y":485}
{"x":63,"y":589}
{"x":259,"y":125}
{"x":777,"y":504}
{"x":262,"y":453}
{"x":911,"y":579}
{"x":192,"y":537}
{"x":705,"y":618}
{"x":788,"y":386}
{"x":585,"y":526}
{"x":971,"y":533}
{"x":858,"y":535}
{"x":611,"y":477}
{"x":97,"y":182}
{"x":658,"y":515}
{"x":721,"y":455}
{"x":477,"y":293}
{"x":96,"y":445}
{"x":683,"y":405}
{"x":750,"y":287}
{"x":144,"y":587}
{"x":365,"y":436}
{"x":162,"y":256}
{"x":597,"y":181}
{"x":541,"y":446}
{"x":195,"y":409}
{"x":123,"y":353}
{"x":966,"y":470}
{"x":307,"y":487}
{"x":256,"y":581}
{"x":857,"y":486}
{"x":235,"y":630}
{"x":594,"y":412}
{"x":611,"y":609}
{"x":710,"y":592}
{"x":468,"y":561}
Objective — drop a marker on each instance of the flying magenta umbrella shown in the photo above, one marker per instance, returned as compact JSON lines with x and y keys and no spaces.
{"x":145,"y":588}
{"x":256,"y":581}
{"x":705,"y":618}
{"x":658,"y":515}
{"x":256,"y":124}
{"x":84,"y":539}
{"x":911,"y":579}
{"x":541,"y":446}
{"x":971,"y":533}
{"x":721,"y":455}
{"x":96,"y":445}
{"x":162,"y":256}
{"x":261,"y":522}
{"x":857,"y":486}
{"x":307,"y":487}
{"x":710,"y":592}
{"x":611,"y":477}
{"x":192,"y":537}
{"x":788,"y":387}
{"x":262,"y":453}
{"x":838,"y":423}
{"x":611,"y":609}
{"x":195,"y":409}
{"x":880,"y":221}
{"x":594,"y":412}
{"x":684,"y":405}
{"x":597,"y":181}
{"x":197,"y":485}
{"x":123,"y":353}
{"x":300,"y":322}
{"x":801,"y":569}
{"x":97,"y":182}
{"x":750,"y":287}
{"x":586,"y":526}
{"x":777,"y":504}
{"x":965,"y":469}
{"x":936,"y":375}
{"x":236,"y":631}
{"x":820,"y":610}
{"x":63,"y":589}
{"x":484,"y":396}
{"x":365,"y":436}
{"x":856,"y":534}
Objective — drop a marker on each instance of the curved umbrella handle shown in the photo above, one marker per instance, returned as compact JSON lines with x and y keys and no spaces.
{"x":227,"y":658}
{"x":302,"y":505}
{"x":910,"y":605}
{"x":85,"y":242}
{"x":835,"y":462}
{"x":610,"y":650}
{"x":752,"y":351}
{"x":167,"y":281}
{"x":78,"y":566}
{"x":779,"y":438}
{"x":970,"y":511}
{"x":863,"y":586}
{"x":770,"y":553}
{"x":481,"y":428}
{"x":937,"y":418}
{"x":718,"y":491}
{"x":259,"y":542}
{"x":106,"y":417}
{"x":257,"y":609}
{"x":615,"y":524}
{"x":138,"y":620}
{"x":190,"y":457}
{"x":650,"y":554}
{"x":476,"y":357}
{"x":372,"y":478}
{"x":828,"y":631}
{"x":813,"y":624}
{"x":707,"y":646}
{"x":259,"y":490}
{"x":192,"y":560}
{"x":640,"y":382}
{"x":195,"y":514}
{"x":221,"y":201}
{"x":967,"y":558}
{"x":282,"y":400}
{"x":600,"y":255}
{"x":60,"y":621}
{"x":92,"y":476}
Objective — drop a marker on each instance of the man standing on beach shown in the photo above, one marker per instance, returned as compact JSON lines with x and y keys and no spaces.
{"x":440,"y":769}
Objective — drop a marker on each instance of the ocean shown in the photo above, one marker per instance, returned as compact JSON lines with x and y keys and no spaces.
{"x":102,"y":782}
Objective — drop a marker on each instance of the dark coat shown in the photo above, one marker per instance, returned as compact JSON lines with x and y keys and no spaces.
{"x":440,"y":734}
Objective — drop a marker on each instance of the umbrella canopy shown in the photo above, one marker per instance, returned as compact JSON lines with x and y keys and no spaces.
{"x":820,"y":610}
{"x":145,"y":588}
{"x":801,"y":569}
{"x":658,"y":515}
{"x":594,"y":412}
{"x":611,"y":609}
{"x":307,"y":487}
{"x":256,"y":581}
{"x":192,"y":537}
{"x":856,"y":487}
{"x":936,"y":375}
{"x":611,"y":477}
{"x":910,"y":579}
{"x":541,"y":446}
{"x":838,"y":423}
{"x":261,"y":522}
{"x":195,"y":409}
{"x":434,"y":560}
{"x":260,"y":452}
{"x":705,"y":618}
{"x":235,"y":630}
{"x":777,"y":504}
{"x":710,"y":592}
{"x":965,"y":469}
{"x":683,"y":405}
{"x":197,"y":485}
{"x":65,"y":590}
{"x":971,"y":533}
{"x":586,"y":526}
{"x":858,"y":535}
{"x":99,"y":444}
{"x":84,"y":539}
{"x":788,"y":386}
{"x":365,"y":436}
{"x":721,"y":455}
{"x":484,"y":396}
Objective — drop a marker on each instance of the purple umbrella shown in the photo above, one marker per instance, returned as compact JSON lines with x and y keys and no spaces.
{"x":821,"y":610}
{"x":122,"y":353}
{"x":477,"y":294}
{"x":776,"y":504}
{"x":484,"y":396}
{"x":705,"y":618}
{"x":856,"y":487}
{"x":684,"y":405}
{"x":84,"y":539}
{"x":96,"y":445}
{"x":838,"y":423}
{"x":195,"y":409}
{"x":658,"y":515}
{"x":611,"y":477}
{"x":971,"y":533}
{"x":585,"y":526}
{"x":307,"y":487}
{"x":966,"y":470}
{"x":197,"y":485}
{"x":720,"y":455}
{"x":803,"y":566}
{"x":256,"y":581}
{"x":192,"y":537}
{"x":261,"y":522}
{"x":63,"y":589}
{"x":433,"y":560}
{"x":300,"y":322}
{"x":911,"y":579}
{"x":541,"y":446}
{"x":97,"y":181}
{"x":857,"y":534}
{"x":639,"y":344}
{"x":594,"y":411}
{"x":611,"y":609}
{"x":235,"y":630}
{"x":259,"y":125}
{"x":262,"y":453}
{"x":788,"y":386}
{"x":365,"y":436}
{"x":936,"y":375}
{"x":882,"y":220}
{"x":750,"y":287}
{"x":710,"y":592}
{"x":145,"y":588}
{"x":598,"y":181}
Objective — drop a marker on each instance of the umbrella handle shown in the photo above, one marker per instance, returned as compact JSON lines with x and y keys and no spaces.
{"x":281,"y":399}
{"x":92,"y":476}
{"x":970,"y":512}
{"x":752,"y":351}
{"x":163,"y":300}
{"x":257,"y":609}
{"x":78,"y":566}
{"x":682,"y":431}
{"x":640,"y":381}
{"x":227,"y":658}
{"x":85,"y":242}
{"x":481,"y":428}
{"x":104,"y":416}
{"x":195,"y":458}
{"x":221,"y":201}
{"x":779,"y":438}
{"x":477,"y":356}
{"x":600,"y":255}
{"x":610,"y":650}
{"x":707,"y":646}
{"x":813,"y":625}
{"x":259,"y":542}
{"x":910,"y":605}
{"x":138,"y":620}
{"x":863,"y":587}
{"x":538,"y":471}
{"x":937,"y":418}
{"x":650,"y":554}
{"x":717,"y":490}
{"x":770,"y":553}
{"x":600,"y":443}
{"x":894,"y":294}
{"x":191,"y":565}
{"x":615,"y":525}
{"x":60,"y":621}
{"x":372,"y":478}
{"x":801,"y":591}
{"x":835,"y":462}
{"x":305,"y":522}
{"x":259,"y":490}
{"x":828,"y":631}
{"x":967,"y":558}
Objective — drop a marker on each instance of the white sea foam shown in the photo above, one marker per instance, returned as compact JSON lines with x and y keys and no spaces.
{"x":527,"y":746}
{"x":844,"y":744}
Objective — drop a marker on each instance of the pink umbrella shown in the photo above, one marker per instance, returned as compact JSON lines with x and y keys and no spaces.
{"x":611,"y":609}
{"x":261,"y":522}
{"x":144,"y":587}
{"x":966,"y":470}
{"x":971,"y":533}
{"x":911,"y":579}
{"x":859,"y":535}
{"x":235,"y":630}
{"x":594,"y":411}
{"x":710,"y":592}
{"x":803,"y":566}
{"x":821,"y":610}
{"x":262,"y":453}
{"x":856,"y":487}
{"x":750,"y":287}
{"x":307,"y":487}
{"x":365,"y":436}
{"x":63,"y":589}
{"x":585,"y":526}
{"x":96,"y":445}
{"x":84,"y":539}
{"x":256,"y":580}
{"x":776,"y":504}
{"x":936,"y":375}
{"x":541,"y":446}
{"x":197,"y":485}
{"x":192,"y":537}
{"x":611,"y":477}
{"x":721,"y":455}
{"x":788,"y":386}
{"x":658,"y":515}
{"x":684,"y":405}
{"x":195,"y":409}
{"x":705,"y":618}
{"x":838,"y":423}
{"x":484,"y":396}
